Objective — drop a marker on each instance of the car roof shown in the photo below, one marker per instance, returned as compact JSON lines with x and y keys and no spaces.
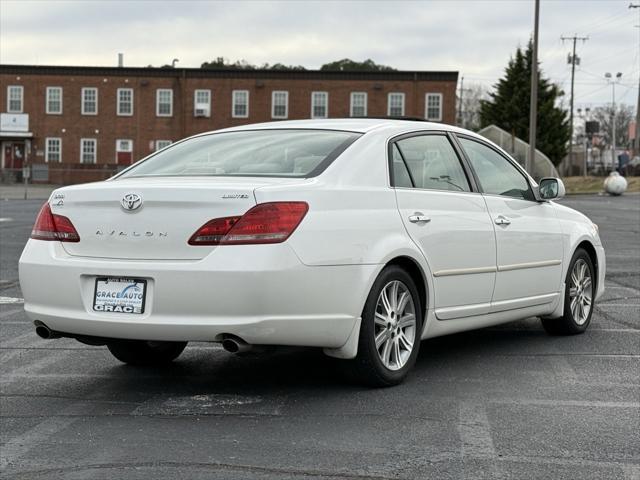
{"x":359,"y":125}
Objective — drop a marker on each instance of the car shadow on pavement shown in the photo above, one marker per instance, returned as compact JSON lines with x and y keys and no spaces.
{"x":205,"y":369}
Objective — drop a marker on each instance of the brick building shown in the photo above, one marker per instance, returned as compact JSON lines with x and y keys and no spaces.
{"x":83,"y":123}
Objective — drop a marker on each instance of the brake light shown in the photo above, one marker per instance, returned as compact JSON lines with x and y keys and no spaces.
{"x":265,"y":223}
{"x":50,"y":226}
{"x":212,"y":232}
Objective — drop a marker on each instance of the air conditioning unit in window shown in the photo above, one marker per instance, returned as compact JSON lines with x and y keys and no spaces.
{"x":201,"y":111}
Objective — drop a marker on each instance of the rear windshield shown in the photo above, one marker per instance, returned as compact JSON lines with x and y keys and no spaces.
{"x":270,"y":153}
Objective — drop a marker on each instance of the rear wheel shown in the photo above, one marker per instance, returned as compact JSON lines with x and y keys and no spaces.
{"x":390,"y":331}
{"x":146,"y":353}
{"x":578,"y":298}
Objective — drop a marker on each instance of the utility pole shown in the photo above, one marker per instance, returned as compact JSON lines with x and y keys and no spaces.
{"x":533,"y":105}
{"x":573,"y":60}
{"x":460,"y":102}
{"x":636,"y":141}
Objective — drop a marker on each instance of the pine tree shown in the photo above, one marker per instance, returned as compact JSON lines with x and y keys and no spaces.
{"x":508,"y":107}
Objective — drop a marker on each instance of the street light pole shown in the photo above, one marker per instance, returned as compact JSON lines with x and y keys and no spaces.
{"x":613,"y":82}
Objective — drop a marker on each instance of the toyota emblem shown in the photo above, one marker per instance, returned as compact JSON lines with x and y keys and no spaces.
{"x":131,"y":201}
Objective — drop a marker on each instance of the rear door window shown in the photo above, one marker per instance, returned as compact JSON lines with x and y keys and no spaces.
{"x":433,"y":163}
{"x":401,"y":176}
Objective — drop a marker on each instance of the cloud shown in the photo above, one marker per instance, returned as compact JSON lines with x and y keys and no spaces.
{"x":474,"y":37}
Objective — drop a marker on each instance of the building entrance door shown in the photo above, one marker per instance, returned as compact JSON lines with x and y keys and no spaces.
{"x":13,"y":155}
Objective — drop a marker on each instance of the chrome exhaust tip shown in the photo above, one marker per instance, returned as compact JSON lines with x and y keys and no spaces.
{"x":235,"y":345}
{"x":45,"y":332}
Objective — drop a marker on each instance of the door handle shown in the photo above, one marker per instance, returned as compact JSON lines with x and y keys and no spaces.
{"x":419,"y":218}
{"x":502,"y":220}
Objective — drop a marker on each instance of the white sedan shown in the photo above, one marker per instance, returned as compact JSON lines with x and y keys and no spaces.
{"x":361,"y":237}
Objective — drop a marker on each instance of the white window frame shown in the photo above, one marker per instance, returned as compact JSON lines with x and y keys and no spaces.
{"x":233,"y":104}
{"x":351,"y":103}
{"x":324,"y":95}
{"x":83,"y":109}
{"x":95,"y":150}
{"x":274,"y":94}
{"x":401,"y":95}
{"x":160,"y":142}
{"x":119,"y":102}
{"x":48,"y":100}
{"x":426,"y":106}
{"x":159,"y":91}
{"x":196,"y":104}
{"x":47,"y":149}
{"x":20,"y":89}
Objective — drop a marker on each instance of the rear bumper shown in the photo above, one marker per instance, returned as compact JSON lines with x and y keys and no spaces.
{"x":261,"y":293}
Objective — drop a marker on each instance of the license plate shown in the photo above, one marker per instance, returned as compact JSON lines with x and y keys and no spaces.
{"x":119,"y":295}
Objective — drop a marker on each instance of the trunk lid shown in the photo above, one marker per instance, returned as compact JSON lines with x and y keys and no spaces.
{"x":170,"y":210}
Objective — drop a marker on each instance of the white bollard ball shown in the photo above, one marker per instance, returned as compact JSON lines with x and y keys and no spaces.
{"x":615,"y":184}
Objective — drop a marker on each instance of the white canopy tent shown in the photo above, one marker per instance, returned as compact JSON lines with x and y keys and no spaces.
{"x":519,"y":149}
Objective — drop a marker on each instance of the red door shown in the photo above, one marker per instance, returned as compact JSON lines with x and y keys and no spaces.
{"x":124,"y":158}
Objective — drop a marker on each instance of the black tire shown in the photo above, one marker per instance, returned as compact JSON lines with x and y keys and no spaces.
{"x":143,"y":353}
{"x":570,"y":323}
{"x":368,"y":367}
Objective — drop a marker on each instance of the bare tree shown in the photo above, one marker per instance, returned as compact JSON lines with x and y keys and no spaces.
{"x":624,"y":115}
{"x":470,"y":108}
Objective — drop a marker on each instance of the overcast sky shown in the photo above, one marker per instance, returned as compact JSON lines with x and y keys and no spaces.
{"x":474,"y":37}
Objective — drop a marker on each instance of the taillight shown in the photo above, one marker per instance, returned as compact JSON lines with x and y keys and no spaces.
{"x":265,"y":223}
{"x":212,"y":232}
{"x":50,"y":226}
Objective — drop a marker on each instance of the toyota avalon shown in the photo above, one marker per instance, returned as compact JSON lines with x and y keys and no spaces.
{"x":358,"y":236}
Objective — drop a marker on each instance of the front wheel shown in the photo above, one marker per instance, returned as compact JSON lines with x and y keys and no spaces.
{"x":390,"y":330}
{"x":578,"y":298}
{"x":146,"y":353}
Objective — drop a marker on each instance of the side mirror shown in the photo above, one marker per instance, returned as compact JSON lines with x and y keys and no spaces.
{"x":551,"y":188}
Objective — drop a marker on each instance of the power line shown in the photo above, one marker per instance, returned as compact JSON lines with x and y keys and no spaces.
{"x":603,"y":21}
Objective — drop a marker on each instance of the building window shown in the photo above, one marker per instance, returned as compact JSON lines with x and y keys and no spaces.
{"x":160,"y":144}
{"x":164,"y":102}
{"x":53,"y":150}
{"x":124,"y":152}
{"x":88,"y":150}
{"x":125,"y":102}
{"x":89,"y":101}
{"x":202,"y":103}
{"x":433,"y":107}
{"x":15,"y":97}
{"x":319,"y":105}
{"x":358,"y":104}
{"x":240,"y":107}
{"x":279,"y":104}
{"x":54,"y":101}
{"x":395,"y":105}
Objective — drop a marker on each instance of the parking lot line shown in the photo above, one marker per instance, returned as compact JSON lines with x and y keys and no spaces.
{"x":16,"y":447}
{"x":9,"y":300}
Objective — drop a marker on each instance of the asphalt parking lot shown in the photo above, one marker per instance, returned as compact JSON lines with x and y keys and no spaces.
{"x":507,"y":402}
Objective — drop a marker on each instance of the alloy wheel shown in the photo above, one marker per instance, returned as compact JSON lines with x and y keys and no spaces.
{"x":395,"y":325}
{"x":580,"y":291}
